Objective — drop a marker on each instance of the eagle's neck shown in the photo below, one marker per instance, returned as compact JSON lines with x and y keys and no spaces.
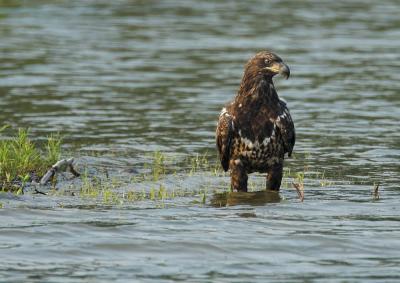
{"x":256,"y":87}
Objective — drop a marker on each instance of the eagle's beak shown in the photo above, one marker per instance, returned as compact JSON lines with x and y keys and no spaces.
{"x":280,"y":68}
{"x":284,"y":70}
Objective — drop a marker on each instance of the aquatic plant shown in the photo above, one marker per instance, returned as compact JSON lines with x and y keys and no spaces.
{"x":106,"y":190}
{"x":158,"y":166}
{"x":198,"y":162}
{"x":323,"y":180}
{"x":21,"y":160}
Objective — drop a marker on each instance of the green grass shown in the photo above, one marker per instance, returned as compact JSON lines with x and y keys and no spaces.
{"x":106,"y":191}
{"x":161,"y":165}
{"x":20,"y":158}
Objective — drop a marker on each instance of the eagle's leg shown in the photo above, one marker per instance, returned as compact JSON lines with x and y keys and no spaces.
{"x":274,"y":177}
{"x":238,"y":176}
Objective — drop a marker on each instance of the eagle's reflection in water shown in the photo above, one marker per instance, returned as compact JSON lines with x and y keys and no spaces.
{"x":243,"y":198}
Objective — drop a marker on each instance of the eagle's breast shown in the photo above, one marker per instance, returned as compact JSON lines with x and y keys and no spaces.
{"x":259,"y":154}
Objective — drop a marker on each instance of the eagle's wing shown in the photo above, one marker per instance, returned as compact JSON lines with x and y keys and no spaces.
{"x":285,"y":123}
{"x":223,"y":136}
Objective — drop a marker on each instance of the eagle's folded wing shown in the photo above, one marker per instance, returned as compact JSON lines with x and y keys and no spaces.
{"x":224,"y":134}
{"x":285,"y":124}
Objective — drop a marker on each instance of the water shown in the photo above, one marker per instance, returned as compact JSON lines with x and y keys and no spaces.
{"x":122,"y":79}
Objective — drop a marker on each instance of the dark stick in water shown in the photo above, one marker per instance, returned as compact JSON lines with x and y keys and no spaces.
{"x":376,"y":192}
{"x":300,"y":190}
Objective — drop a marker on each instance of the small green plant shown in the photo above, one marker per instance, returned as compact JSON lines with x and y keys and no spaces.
{"x":53,"y":148}
{"x":152,"y":194}
{"x":162,"y":193}
{"x":203,"y":197}
{"x":324,"y":181}
{"x":300,"y":178}
{"x":88,"y":188}
{"x":20,"y":158}
{"x":198,"y":162}
{"x":158,"y":165}
{"x":100,"y":189}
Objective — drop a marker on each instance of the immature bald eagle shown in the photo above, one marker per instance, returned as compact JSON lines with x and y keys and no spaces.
{"x":255,"y":130}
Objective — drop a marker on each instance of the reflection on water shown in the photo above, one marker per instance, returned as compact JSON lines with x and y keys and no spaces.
{"x":119,"y":79}
{"x":245,"y":198}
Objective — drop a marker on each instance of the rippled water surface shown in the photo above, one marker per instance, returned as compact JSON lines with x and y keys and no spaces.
{"x":123,"y":79}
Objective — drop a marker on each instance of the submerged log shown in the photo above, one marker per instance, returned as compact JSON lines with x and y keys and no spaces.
{"x":60,"y":166}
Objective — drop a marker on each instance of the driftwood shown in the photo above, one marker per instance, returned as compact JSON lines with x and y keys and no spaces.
{"x":60,"y":166}
{"x":300,"y":190}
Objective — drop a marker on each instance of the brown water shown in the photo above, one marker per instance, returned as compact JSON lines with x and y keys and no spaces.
{"x":122,"y":79}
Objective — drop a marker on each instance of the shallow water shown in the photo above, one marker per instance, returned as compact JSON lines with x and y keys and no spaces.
{"x":122,"y":79}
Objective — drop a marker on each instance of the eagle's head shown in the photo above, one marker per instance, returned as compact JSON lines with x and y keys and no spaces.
{"x":268,"y":64}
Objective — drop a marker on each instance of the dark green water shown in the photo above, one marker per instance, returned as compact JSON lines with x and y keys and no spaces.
{"x":122,"y":79}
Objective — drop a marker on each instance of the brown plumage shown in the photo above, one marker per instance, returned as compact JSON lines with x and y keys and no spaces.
{"x":255,"y":130}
